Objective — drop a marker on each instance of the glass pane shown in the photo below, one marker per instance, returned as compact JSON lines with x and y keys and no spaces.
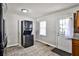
{"x":61,"y":22}
{"x":61,"y":30}
{"x":61,"y":26}
{"x":43,"y":28}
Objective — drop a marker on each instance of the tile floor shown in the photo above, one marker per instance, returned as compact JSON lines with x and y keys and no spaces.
{"x":38,"y":49}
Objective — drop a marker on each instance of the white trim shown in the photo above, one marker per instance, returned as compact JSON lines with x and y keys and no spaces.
{"x":46,"y":43}
{"x":12,"y":45}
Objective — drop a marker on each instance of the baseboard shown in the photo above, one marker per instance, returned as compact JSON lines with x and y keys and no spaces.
{"x":12,"y":45}
{"x":46,"y":43}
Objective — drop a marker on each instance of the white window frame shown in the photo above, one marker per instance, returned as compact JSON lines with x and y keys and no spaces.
{"x":42,"y":28}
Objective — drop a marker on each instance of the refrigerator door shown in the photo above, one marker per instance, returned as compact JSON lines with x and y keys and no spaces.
{"x":1,"y":46}
{"x":4,"y":40}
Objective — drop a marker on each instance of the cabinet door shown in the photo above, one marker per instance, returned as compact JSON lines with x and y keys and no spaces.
{"x":75,"y":50}
{"x":75,"y":47}
{"x":78,"y":21}
{"x":75,"y":23}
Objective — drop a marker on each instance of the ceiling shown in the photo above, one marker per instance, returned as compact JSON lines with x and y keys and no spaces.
{"x":38,"y":9}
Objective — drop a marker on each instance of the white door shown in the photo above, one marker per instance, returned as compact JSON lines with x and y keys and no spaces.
{"x":63,"y":43}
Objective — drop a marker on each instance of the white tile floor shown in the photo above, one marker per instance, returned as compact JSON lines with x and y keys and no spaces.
{"x":38,"y":49}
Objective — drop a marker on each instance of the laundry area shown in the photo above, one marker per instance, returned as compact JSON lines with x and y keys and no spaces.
{"x":39,"y":29}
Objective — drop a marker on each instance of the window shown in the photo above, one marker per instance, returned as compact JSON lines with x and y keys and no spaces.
{"x":69,"y":28}
{"x":43,"y":28}
{"x":61,"y":26}
{"x":66,"y":27}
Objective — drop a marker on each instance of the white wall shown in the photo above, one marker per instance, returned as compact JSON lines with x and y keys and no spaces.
{"x":11,"y":29}
{"x":52,"y":19}
{"x":51,"y":30}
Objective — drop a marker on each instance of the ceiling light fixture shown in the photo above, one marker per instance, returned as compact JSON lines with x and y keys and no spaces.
{"x":25,"y":10}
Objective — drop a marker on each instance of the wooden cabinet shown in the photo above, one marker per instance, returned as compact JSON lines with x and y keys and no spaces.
{"x":76,"y":22}
{"x":75,"y":42}
{"x":75,"y":47}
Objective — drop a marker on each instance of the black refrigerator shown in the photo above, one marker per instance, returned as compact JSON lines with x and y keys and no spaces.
{"x":3,"y":38}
